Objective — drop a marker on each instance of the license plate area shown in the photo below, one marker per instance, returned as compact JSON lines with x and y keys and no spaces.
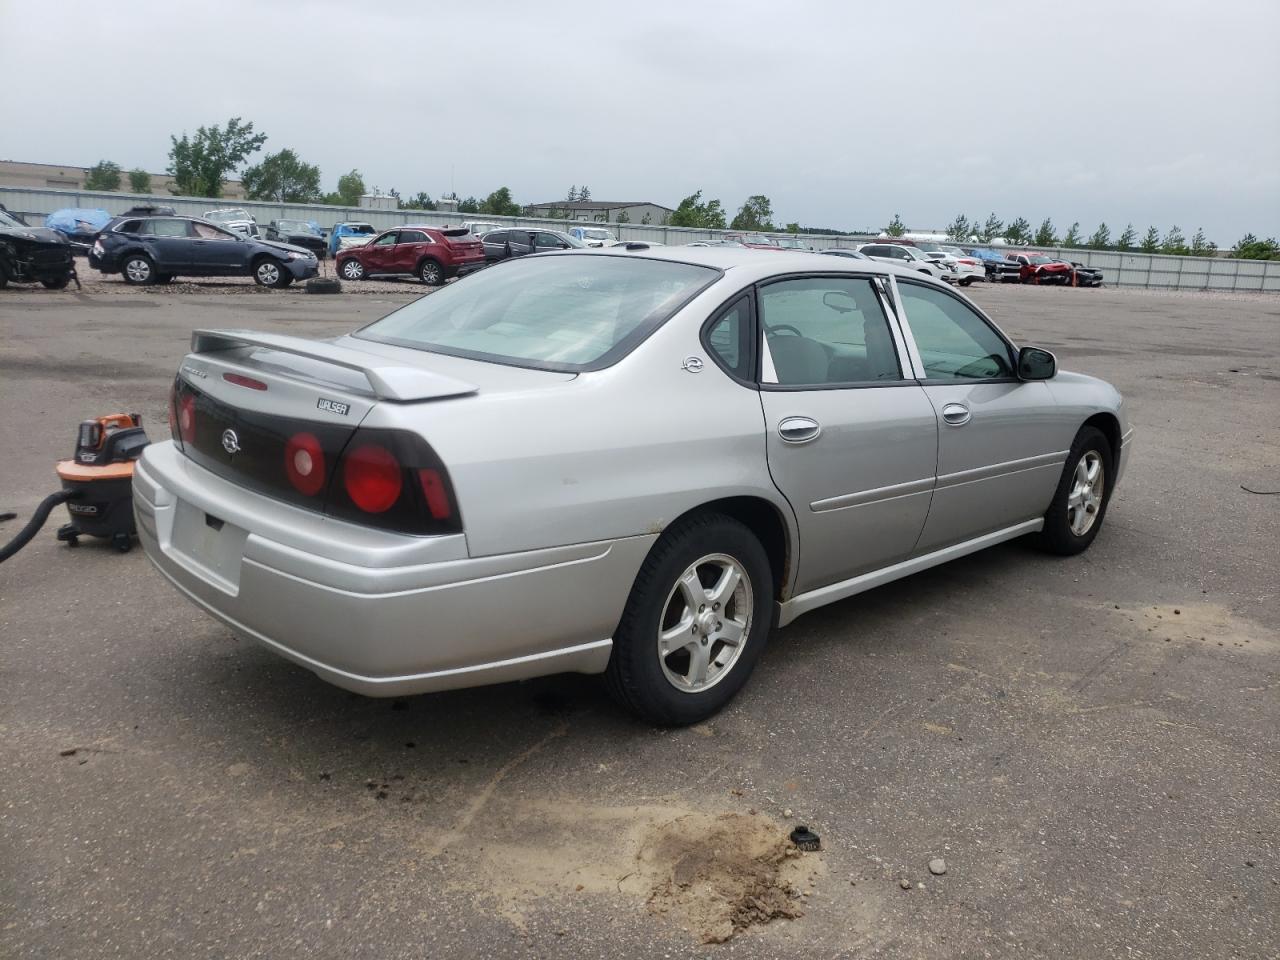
{"x":208,"y":546}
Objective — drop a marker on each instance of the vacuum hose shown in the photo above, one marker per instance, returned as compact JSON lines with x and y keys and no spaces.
{"x":36,"y":522}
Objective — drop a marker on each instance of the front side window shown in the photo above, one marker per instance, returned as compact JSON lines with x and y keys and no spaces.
{"x":386,"y":240}
{"x":826,"y":330}
{"x":955,"y":343}
{"x":559,"y":313}
{"x":207,"y":231}
{"x":548,"y":241}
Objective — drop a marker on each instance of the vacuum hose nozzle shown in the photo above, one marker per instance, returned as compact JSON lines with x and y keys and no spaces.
{"x":36,"y":522}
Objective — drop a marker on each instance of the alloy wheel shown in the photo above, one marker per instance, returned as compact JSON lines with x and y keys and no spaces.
{"x":268,"y":273}
{"x":1088,"y":486}
{"x":138,"y":270}
{"x":705,"y":623}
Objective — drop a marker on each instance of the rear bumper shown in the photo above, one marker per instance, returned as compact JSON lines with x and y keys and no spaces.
{"x":462,"y":269}
{"x":378,"y":613}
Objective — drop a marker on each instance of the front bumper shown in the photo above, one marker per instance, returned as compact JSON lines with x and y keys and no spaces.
{"x":379,"y":613}
{"x":303,"y":269}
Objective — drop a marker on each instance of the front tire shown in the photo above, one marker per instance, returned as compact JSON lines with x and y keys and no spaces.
{"x":352,"y":269}
{"x":56,"y":283}
{"x":1080,"y":503}
{"x":695,"y":624}
{"x":966,"y":281}
{"x":268,"y":272}
{"x":139,"y":270}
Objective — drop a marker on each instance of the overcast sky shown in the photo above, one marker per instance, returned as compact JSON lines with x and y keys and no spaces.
{"x":842,"y":113}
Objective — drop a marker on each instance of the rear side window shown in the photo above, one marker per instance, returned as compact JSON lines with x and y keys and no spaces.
{"x":165,"y":228}
{"x":728,"y":339}
{"x":413,"y":236}
{"x":826,"y":330}
{"x":567,"y":313}
{"x":955,"y":343}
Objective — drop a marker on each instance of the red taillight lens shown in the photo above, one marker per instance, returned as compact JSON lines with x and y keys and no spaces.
{"x":240,"y":380}
{"x":304,"y":463}
{"x":372,"y":477}
{"x":437,"y":495}
{"x":187,"y":417}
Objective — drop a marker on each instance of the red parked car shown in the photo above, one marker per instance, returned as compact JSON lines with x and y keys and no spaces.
{"x":432,"y":254}
{"x":1037,"y":268}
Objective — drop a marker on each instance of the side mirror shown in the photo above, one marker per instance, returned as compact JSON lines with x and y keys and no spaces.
{"x":1036,"y":364}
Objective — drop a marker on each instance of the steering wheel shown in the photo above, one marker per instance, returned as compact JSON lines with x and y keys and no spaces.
{"x":978,"y":369}
{"x":784,"y":326}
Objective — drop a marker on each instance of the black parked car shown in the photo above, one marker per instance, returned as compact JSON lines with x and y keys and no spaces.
{"x":156,"y":249}
{"x":998,"y":267}
{"x":1084,"y":276}
{"x":33,"y":254}
{"x":299,"y":233}
{"x":502,"y":244}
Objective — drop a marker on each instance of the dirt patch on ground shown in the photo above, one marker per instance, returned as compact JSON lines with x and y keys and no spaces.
{"x":714,"y":874}
{"x":722,"y":875}
{"x":1203,"y":623}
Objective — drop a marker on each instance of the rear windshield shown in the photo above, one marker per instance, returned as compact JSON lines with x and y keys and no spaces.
{"x":552,"y":312}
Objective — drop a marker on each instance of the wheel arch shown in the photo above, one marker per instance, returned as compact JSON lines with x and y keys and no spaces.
{"x":768,"y":522}
{"x":1109,"y":424}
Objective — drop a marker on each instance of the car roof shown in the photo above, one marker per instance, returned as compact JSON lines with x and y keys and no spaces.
{"x":751,"y":265}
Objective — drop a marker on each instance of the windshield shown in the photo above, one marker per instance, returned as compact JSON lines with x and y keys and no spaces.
{"x":557,"y":312}
{"x":928,"y":247}
{"x":596,"y":235}
{"x":9,"y":221}
{"x":225,"y":216}
{"x":358,"y":228}
{"x":295,"y":226}
{"x":1038,"y":260}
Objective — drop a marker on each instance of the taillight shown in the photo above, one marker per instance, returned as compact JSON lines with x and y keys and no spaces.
{"x":437,"y":496}
{"x":187,"y":416}
{"x":304,"y":463}
{"x":372,"y":477}
{"x":240,"y":380}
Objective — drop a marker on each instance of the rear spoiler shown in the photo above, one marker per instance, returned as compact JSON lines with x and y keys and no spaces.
{"x":387,"y":381}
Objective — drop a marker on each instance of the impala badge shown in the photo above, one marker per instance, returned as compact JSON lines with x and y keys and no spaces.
{"x":230,"y":442}
{"x":692,"y":364}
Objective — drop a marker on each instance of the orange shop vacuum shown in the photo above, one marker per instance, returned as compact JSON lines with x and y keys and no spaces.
{"x":97,"y":485}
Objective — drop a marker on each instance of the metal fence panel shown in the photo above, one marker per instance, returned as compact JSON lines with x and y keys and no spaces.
{"x":1119,"y":269}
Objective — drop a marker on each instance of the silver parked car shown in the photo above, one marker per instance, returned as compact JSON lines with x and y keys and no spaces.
{"x":626,"y":461}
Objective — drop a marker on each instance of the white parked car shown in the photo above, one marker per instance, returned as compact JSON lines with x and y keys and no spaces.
{"x":964,"y":268}
{"x":235,"y":219}
{"x":478,"y":227}
{"x":905,"y":256}
{"x":594,"y":236}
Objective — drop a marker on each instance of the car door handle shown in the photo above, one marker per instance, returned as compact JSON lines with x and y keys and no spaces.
{"x":956,"y":414}
{"x":798,"y":429}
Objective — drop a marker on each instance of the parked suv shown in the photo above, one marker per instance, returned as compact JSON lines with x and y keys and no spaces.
{"x":594,"y":236}
{"x":236,"y":219}
{"x":432,"y":254}
{"x":343,"y":236}
{"x":517,"y":242}
{"x":149,"y":250}
{"x":904,"y":256}
{"x":33,"y":254}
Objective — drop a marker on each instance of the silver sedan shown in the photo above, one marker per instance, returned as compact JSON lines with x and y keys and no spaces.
{"x":633,"y":461}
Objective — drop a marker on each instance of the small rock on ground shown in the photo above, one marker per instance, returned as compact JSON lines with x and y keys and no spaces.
{"x":937,"y":866}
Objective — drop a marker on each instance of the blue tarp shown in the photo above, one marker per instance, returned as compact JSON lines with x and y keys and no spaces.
{"x":77,"y":222}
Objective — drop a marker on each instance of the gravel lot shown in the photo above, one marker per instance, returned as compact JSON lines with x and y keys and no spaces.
{"x":1091,"y":745}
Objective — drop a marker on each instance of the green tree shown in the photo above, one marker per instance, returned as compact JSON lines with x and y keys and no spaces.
{"x":959,"y":229}
{"x":1202,"y":246}
{"x":1072,"y":239}
{"x":693,"y":212}
{"x":1175,"y":243}
{"x":624,"y":217}
{"x":351,"y":188}
{"x":1151,"y":242}
{"x":572,"y":195}
{"x":469,"y":205}
{"x":792,"y":227}
{"x":201,"y":163}
{"x":1018,"y":232}
{"x":896,"y":227}
{"x":282,"y":177}
{"x":991,"y":229}
{"x":499,"y":203}
{"x":756,"y":213}
{"x":646,"y":219}
{"x":1127,"y":239}
{"x":1101,"y":239}
{"x":103,"y":175}
{"x":584,"y":194}
{"x":1251,"y":248}
{"x":139,"y":181}
{"x":419,"y":201}
{"x":1046,"y":236}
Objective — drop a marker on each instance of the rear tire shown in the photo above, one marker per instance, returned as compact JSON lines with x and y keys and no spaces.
{"x":4,"y":276}
{"x":704,"y":596}
{"x":431,"y":273}
{"x":966,"y":281}
{"x":1080,"y":503}
{"x":59,"y":283}
{"x":138,"y":269}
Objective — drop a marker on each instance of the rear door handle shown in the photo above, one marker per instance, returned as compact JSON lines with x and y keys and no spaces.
{"x":956,"y":414}
{"x":798,"y":429}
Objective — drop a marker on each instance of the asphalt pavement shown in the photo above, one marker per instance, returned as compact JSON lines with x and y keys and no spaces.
{"x":1090,"y":744}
